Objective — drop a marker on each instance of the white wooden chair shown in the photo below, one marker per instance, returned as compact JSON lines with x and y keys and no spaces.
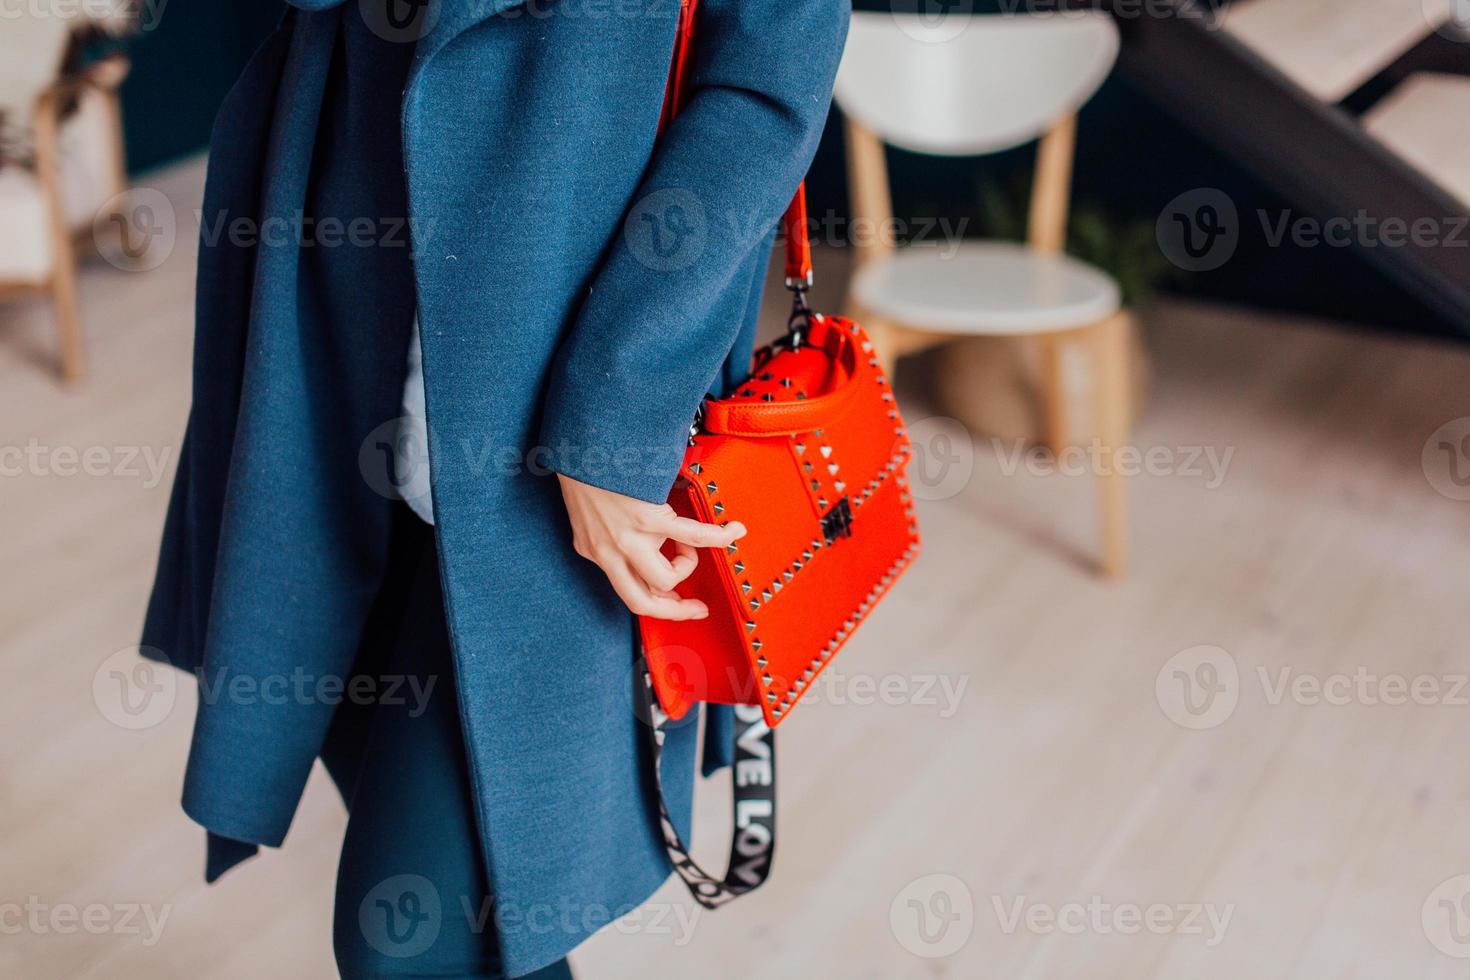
{"x":990,"y":84}
{"x":79,"y":167}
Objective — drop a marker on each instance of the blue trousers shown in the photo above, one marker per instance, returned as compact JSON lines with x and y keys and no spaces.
{"x":413,"y":898}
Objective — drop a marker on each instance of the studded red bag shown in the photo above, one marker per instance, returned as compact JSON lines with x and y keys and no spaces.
{"x":810,"y":454}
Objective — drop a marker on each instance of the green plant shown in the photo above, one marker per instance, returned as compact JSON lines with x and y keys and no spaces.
{"x":1125,"y":248}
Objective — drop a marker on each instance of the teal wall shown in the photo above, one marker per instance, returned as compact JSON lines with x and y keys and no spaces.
{"x":182,"y":67}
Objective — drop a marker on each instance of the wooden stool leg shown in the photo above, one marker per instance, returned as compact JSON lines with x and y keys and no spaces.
{"x":68,"y":322}
{"x":1054,"y":394}
{"x":63,"y":257}
{"x":1111,"y":345}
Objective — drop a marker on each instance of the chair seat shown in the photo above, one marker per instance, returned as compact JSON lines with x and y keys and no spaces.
{"x":984,"y":287}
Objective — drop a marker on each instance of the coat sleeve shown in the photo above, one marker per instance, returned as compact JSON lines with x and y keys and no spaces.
{"x":654,"y":330}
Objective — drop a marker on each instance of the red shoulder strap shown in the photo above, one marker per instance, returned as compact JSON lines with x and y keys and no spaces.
{"x":794,"y":224}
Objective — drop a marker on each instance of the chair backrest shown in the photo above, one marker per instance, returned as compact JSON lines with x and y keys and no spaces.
{"x":31,"y":49}
{"x":966,"y":86}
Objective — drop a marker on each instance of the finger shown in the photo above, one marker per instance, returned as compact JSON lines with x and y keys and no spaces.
{"x":701,"y":535}
{"x":639,"y":598}
{"x":686,"y":559}
{"x":650,"y":565}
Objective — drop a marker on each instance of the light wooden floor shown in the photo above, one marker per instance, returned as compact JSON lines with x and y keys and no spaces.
{"x":1322,"y":830}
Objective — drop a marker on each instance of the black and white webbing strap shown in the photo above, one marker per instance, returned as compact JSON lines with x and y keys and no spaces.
{"x":753,"y":840}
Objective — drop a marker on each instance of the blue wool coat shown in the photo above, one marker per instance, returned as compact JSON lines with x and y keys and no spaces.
{"x":579,"y":290}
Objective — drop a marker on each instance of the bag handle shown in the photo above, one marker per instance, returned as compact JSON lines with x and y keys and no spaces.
{"x":676,"y":93}
{"x":753,"y":838}
{"x":739,"y":418}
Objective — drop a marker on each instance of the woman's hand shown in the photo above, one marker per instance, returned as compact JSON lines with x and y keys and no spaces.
{"x":624,"y":537}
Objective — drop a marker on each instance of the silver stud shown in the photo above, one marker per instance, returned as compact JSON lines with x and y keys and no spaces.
{"x":766,"y":679}
{"x":760,"y":661}
{"x":800,"y":448}
{"x":785,"y":575}
{"x":719,"y":509}
{"x":745,"y":587}
{"x":826,"y":452}
{"x":756,"y":646}
{"x":712,"y":487}
{"x":749,"y":626}
{"x":840,"y":486}
{"x":739,"y":567}
{"x":821,"y":501}
{"x":766,"y":594}
{"x":696,"y":468}
{"x":755,"y":604}
{"x":771,"y":697}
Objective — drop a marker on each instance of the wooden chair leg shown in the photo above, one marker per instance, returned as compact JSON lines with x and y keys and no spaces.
{"x":1054,"y":401}
{"x":63,"y":255}
{"x":68,"y":321}
{"x":1111,"y":346}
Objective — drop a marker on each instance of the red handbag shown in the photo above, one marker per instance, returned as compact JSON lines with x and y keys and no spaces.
{"x":810,"y":453}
